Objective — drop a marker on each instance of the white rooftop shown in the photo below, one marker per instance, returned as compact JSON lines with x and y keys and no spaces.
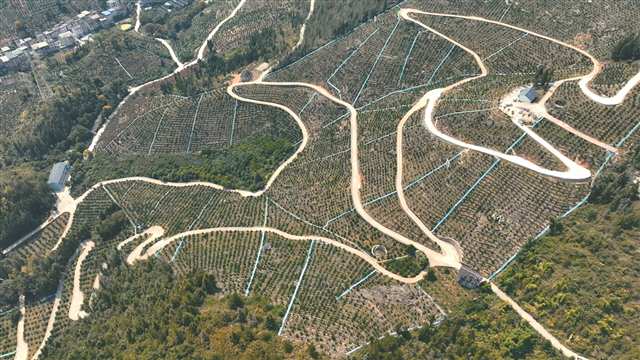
{"x":40,"y":45}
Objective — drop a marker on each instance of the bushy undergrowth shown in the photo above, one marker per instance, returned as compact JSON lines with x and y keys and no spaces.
{"x":144,"y":312}
{"x":25,"y":201}
{"x":581,"y":281}
{"x":479,"y":328}
{"x":245,"y":165}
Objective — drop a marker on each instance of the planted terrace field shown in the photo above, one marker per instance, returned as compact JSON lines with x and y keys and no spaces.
{"x":37,"y":316}
{"x":333,"y":310}
{"x":8,"y":329}
{"x":607,"y":123}
{"x":492,"y":224}
{"x":229,"y":257}
{"x":114,"y":57}
{"x":594,"y":26}
{"x":173,"y":124}
{"x":40,"y":243}
{"x":334,"y":299}
{"x":614,"y":76}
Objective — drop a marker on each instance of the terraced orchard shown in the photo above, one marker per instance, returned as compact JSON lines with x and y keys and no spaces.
{"x":369,"y":187}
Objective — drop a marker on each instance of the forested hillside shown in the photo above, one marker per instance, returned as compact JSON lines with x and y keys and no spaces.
{"x":25,"y":201}
{"x":145,"y":312}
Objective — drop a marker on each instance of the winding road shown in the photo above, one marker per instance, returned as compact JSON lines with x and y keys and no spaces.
{"x":312,"y":5}
{"x":77,"y":296}
{"x":173,"y":55}
{"x":22,"y":348}
{"x":574,"y":172}
{"x":136,"y":28}
{"x":449,"y":255}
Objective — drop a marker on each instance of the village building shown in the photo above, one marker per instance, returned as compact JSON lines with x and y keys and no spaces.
{"x":41,"y":48}
{"x":246,"y":75}
{"x":468,"y":278}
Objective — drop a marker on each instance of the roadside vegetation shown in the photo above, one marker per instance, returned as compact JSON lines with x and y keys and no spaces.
{"x":627,"y":48}
{"x":262,"y":46}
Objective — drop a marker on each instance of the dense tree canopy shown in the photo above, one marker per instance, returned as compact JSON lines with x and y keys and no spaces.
{"x":25,"y":201}
{"x":245,"y":165}
{"x":627,"y":48}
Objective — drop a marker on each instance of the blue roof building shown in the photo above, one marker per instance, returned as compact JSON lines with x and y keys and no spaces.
{"x":527,"y":95}
{"x":58,"y":176}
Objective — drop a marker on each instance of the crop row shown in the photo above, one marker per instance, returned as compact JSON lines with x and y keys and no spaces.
{"x":494,"y":222}
{"x":41,"y":242}
{"x":605,"y":123}
{"x":228,"y":256}
{"x":326,"y":313}
{"x":210,"y":120}
{"x":7,"y":332}
{"x":35,"y":325}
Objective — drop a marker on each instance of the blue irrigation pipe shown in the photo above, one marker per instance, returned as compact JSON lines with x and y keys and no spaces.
{"x":295,"y":291}
{"x":262,"y":237}
{"x":435,"y":72}
{"x":546,"y":229}
{"x":466,"y":194}
{"x":626,"y":137}
{"x":175,"y":253}
{"x":366,"y":80}
{"x":3,"y":313}
{"x":233,"y":122}
{"x":445,"y":164}
{"x":356,"y":284}
{"x":406,"y":59}
{"x":335,"y":71}
{"x":308,"y":102}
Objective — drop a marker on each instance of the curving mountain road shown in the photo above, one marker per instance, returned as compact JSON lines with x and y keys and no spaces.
{"x":574,"y":172}
{"x":449,"y":255}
